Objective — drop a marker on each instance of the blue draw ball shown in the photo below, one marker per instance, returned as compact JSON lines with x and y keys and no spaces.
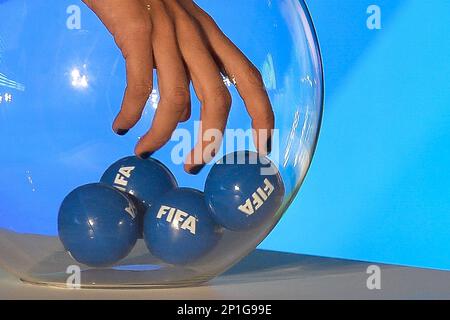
{"x":179,"y":229}
{"x":144,"y":180}
{"x":97,"y":225}
{"x":244,"y":190}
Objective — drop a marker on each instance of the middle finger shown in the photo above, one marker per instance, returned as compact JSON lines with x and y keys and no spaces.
{"x":208,"y":85}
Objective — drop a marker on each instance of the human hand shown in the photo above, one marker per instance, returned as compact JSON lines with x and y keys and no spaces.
{"x":184,"y":44}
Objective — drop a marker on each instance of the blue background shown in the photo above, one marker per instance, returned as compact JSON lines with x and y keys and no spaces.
{"x":379,"y":186}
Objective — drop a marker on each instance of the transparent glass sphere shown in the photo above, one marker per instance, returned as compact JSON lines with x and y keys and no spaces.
{"x":61,"y":84}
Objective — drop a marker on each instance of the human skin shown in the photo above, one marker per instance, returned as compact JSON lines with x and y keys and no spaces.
{"x":184,"y":44}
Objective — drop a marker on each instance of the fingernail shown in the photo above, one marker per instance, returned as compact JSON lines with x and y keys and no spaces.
{"x":122,"y":132}
{"x":196,"y":169}
{"x":145,"y":155}
{"x":269,"y":145}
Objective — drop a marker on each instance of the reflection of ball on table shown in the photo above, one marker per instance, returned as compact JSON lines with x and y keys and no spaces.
{"x":179,"y":229}
{"x":144,"y":180}
{"x":97,"y":225}
{"x":244,"y":190}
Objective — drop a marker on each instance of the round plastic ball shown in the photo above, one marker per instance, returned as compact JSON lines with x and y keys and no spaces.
{"x":244,"y":190}
{"x":144,"y":180}
{"x":179,"y":229}
{"x":97,"y":225}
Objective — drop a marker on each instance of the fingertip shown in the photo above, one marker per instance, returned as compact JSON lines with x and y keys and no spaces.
{"x":194,"y":169}
{"x":194,"y":163}
{"x":142,"y":152}
{"x":121,"y":132}
{"x":145,"y":155}
{"x":125,"y":120}
{"x":263,"y":140}
{"x":269,"y":146}
{"x":265,"y":148}
{"x":119,"y":126}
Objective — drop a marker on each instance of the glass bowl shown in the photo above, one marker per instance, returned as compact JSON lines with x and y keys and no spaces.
{"x":61,"y":83}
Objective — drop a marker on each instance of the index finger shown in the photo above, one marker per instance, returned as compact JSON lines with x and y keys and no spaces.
{"x":130,"y":25}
